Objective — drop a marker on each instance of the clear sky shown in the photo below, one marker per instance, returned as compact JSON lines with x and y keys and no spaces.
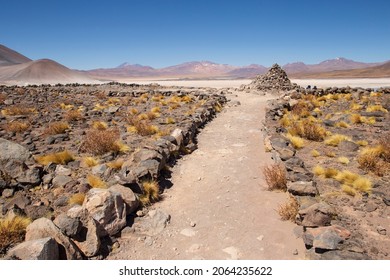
{"x":91,"y":34}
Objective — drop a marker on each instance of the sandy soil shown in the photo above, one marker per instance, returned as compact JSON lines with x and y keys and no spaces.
{"x":219,"y":205}
{"x":321,"y":83}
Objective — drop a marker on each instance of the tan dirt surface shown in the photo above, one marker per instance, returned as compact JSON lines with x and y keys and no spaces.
{"x":219,"y":205}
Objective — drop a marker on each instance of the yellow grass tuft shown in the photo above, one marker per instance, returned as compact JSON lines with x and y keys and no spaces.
{"x":349,"y":190}
{"x":342,"y":124}
{"x":330,"y":154}
{"x":155,"y":110}
{"x":336,"y":139}
{"x":318,"y":170}
{"x":356,"y":107}
{"x":170,"y":120}
{"x":99,"y":125}
{"x":96,"y":182}
{"x":73,"y":115}
{"x":362,"y":143}
{"x":362,"y":184}
{"x":376,"y":108}
{"x":89,"y":161}
{"x":143,"y":116}
{"x":355,"y":181}
{"x":59,"y":158}
{"x":77,"y":198}
{"x":12,"y":231}
{"x":315,"y":153}
{"x":122,"y":147}
{"x":99,"y":107}
{"x":346,"y":177}
{"x":343,"y":160}
{"x":356,"y":119}
{"x":276,"y":177}
{"x":296,"y":141}
{"x":16,"y":126}
{"x":133,"y":111}
{"x":331,"y":173}
{"x":151,"y":192}
{"x":99,"y":142}
{"x":56,"y":128}
{"x":116,"y":164}
{"x":17,"y":111}
{"x":289,"y":210}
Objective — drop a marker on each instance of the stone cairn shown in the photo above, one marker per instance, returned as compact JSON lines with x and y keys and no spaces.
{"x":274,"y":80}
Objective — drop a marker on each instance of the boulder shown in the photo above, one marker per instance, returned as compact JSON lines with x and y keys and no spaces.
{"x":107,"y":208}
{"x":319,"y":214}
{"x":152,"y":224}
{"x":325,"y":238}
{"x":12,"y":151}
{"x":128,"y":197}
{"x":178,"y":135}
{"x":61,"y":180}
{"x":38,"y":249}
{"x":43,"y":227}
{"x":302,"y":188}
{"x":69,"y":226}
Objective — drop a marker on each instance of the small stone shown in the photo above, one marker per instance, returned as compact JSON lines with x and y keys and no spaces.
{"x":188,"y":232}
{"x":7,"y":193}
{"x":381,"y":230}
{"x":295,"y":252}
{"x":192,"y":224}
{"x":371,"y":207}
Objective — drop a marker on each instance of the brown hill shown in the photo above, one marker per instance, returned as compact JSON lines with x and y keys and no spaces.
{"x":11,"y":57}
{"x":380,"y":71}
{"x":43,"y":71}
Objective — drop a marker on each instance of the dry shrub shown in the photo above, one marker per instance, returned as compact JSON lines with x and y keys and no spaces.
{"x":331,"y":173}
{"x":96,"y":182}
{"x":376,"y":108}
{"x":308,"y":129}
{"x":296,"y":141}
{"x":73,"y":115}
{"x":374,"y":159}
{"x":289,"y":210}
{"x":89,"y":161}
{"x":116,"y":164}
{"x":170,"y":120}
{"x":16,"y":126}
{"x":355,"y":181}
{"x":2,"y":98}
{"x":18,"y":110}
{"x":343,"y":160}
{"x":384,"y":141}
{"x":99,"y":125}
{"x":99,"y":142}
{"x":77,"y":198}
{"x":56,"y":128}
{"x":142,"y":127}
{"x":59,"y":158}
{"x":12,"y":231}
{"x":336,"y":139}
{"x":315,"y":153}
{"x":275,"y":176}
{"x":151,"y":192}
{"x":318,"y":170}
{"x":302,"y":109}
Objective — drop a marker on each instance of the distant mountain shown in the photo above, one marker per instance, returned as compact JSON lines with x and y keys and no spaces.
{"x":379,"y":71}
{"x":10,"y":57}
{"x":249,"y":71}
{"x":16,"y":69}
{"x":339,"y":63}
{"x":198,"y":68}
{"x":124,"y":70}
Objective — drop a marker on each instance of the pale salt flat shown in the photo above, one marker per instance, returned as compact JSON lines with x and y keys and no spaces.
{"x":320,"y":83}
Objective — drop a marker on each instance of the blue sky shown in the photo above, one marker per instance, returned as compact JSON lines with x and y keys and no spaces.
{"x":93,"y":34}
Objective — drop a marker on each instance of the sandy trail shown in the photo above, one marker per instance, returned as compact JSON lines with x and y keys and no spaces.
{"x":218,"y":204}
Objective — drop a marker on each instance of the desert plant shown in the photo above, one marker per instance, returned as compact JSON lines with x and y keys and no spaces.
{"x":336,"y":139}
{"x":116,"y":164}
{"x":315,"y":153}
{"x":289,"y":210}
{"x":155,"y":110}
{"x":331,"y":173}
{"x":343,"y":160}
{"x":362,"y":143}
{"x":170,"y":120}
{"x":376,"y":108}
{"x":73,"y":115}
{"x":12,"y":231}
{"x":318,"y":170}
{"x":355,"y":181}
{"x":99,"y":142}
{"x":151,"y":192}
{"x":143,"y":128}
{"x":349,"y":190}
{"x":16,"y":126}
{"x":374,"y":159}
{"x":89,"y":161}
{"x":95,"y":182}
{"x":384,"y":142}
{"x":56,"y":128}
{"x":60,"y":158}
{"x":77,"y":198}
{"x":342,"y":124}
{"x":296,"y":141}
{"x":133,"y":111}
{"x":357,"y":119}
{"x":99,"y":125}
{"x":17,"y":110}
{"x":275,"y":177}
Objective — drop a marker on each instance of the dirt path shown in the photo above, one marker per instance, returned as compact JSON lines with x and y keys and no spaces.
{"x":218,"y":203}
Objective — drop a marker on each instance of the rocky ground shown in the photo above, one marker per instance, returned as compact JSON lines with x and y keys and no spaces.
{"x":334,"y":144}
{"x":84,"y":166}
{"x":87,"y":157}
